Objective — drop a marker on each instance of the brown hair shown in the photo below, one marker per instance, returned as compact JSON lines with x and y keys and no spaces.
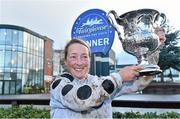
{"x":73,"y":41}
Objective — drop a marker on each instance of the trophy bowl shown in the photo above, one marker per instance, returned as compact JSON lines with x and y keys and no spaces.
{"x":139,"y":37}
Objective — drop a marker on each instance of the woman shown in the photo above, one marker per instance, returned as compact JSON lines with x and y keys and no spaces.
{"x":77,"y":94}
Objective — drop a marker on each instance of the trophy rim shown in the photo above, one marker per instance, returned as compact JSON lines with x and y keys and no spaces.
{"x":138,"y":11}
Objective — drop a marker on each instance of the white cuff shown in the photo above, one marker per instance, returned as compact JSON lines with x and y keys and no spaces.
{"x":117,"y":79}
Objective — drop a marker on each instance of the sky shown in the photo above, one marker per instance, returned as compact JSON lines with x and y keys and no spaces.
{"x":55,"y":18}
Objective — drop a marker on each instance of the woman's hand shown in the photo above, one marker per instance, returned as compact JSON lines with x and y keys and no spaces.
{"x":129,"y":73}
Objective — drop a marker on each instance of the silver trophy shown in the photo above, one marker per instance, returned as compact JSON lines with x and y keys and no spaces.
{"x":139,"y":38}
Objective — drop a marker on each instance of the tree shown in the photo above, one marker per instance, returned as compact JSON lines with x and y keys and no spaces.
{"x":170,"y":53}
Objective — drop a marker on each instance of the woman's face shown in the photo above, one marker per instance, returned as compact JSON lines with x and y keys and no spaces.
{"x":78,"y":60}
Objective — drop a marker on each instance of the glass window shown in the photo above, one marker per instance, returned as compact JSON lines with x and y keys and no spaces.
{"x":2,"y":47}
{"x":1,"y":75}
{"x":30,"y":60}
{"x":12,"y":87}
{"x":24,"y":78}
{"x":6,"y":87}
{"x":41,"y":62}
{"x":7,"y":76}
{"x":9,"y":37}
{"x":3,"y":35}
{"x":7,"y":58}
{"x":14,"y":48}
{"x":1,"y":87}
{"x":19,"y":76}
{"x":33,"y":63}
{"x":24,"y":60}
{"x":30,"y":78}
{"x":15,"y":37}
{"x":33,"y":42}
{"x":41,"y":47}
{"x":25,"y":40}
{"x":28,"y":43}
{"x":20,"y":59}
{"x":7,"y":69}
{"x":1,"y":58}
{"x":14,"y":59}
{"x":18,"y":86}
{"x":41,"y":77}
{"x":20,"y":48}
{"x":8,"y":47}
{"x":20,"y":38}
{"x":36,"y":46}
{"x":13,"y":75}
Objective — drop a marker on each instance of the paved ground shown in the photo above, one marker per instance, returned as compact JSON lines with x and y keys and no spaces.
{"x":26,"y":97}
{"x":132,"y":97}
{"x":151,"y":97}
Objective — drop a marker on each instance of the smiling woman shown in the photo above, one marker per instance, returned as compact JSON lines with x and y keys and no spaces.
{"x":78,"y":94}
{"x":77,"y":60}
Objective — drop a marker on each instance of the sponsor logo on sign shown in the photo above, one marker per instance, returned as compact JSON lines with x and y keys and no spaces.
{"x":92,"y":26}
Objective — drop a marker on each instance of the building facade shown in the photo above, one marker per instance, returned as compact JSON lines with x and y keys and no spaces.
{"x":100,"y":63}
{"x":58,"y":58}
{"x":26,"y":59}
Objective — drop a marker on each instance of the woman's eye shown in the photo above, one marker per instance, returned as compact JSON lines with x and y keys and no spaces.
{"x":73,"y":57}
{"x":84,"y":57}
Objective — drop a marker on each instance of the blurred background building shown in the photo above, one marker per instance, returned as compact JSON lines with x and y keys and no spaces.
{"x":25,"y":59}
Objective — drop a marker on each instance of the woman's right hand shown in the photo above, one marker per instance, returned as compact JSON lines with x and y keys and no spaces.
{"x":129,"y":73}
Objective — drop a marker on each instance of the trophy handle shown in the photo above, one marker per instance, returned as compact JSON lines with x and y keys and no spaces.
{"x":111,"y":21}
{"x":139,"y":18}
{"x":144,"y":15}
{"x":164,"y":19}
{"x":163,"y":23}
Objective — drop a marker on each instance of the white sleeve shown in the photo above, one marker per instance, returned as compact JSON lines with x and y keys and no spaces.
{"x":134,"y":86}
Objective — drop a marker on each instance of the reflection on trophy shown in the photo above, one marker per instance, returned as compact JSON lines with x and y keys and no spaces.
{"x":139,"y":38}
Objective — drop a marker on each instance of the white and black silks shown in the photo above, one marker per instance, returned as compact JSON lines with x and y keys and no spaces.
{"x":83,"y":95}
{"x":89,"y":98}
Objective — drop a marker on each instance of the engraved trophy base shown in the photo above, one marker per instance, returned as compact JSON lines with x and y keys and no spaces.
{"x":150,"y":70}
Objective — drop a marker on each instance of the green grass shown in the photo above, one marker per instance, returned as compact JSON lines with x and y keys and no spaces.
{"x":31,"y":112}
{"x":24,"y":112}
{"x":165,"y":115}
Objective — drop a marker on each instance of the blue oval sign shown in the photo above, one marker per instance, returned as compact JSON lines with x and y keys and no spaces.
{"x":93,"y":27}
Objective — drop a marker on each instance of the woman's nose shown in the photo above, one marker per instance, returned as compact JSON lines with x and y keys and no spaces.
{"x":79,"y":60}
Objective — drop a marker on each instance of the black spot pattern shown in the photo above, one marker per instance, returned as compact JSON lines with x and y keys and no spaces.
{"x":56,"y":83}
{"x":84,"y":92}
{"x":66,"y":75}
{"x":108,"y":86}
{"x":66,"y":89}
